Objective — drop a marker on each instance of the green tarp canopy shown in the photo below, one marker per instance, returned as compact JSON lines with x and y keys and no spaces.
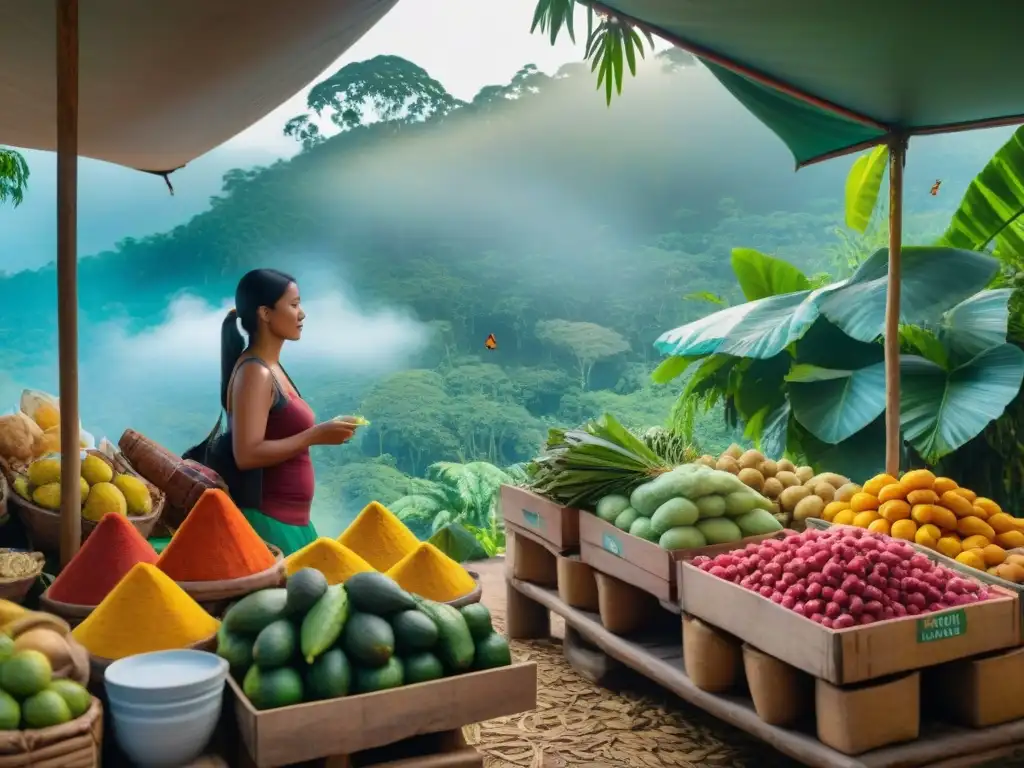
{"x":831,"y":77}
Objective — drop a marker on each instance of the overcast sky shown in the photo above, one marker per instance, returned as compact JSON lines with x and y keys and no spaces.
{"x":464,"y":44}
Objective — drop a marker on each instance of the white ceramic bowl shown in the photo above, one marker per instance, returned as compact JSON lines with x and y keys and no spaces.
{"x":165,"y":677}
{"x":161,"y":741}
{"x":174,"y":709}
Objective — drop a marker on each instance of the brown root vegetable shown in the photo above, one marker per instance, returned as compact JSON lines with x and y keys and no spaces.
{"x":825,"y":492}
{"x":728,"y":464}
{"x":845,"y":492}
{"x":733,"y":450}
{"x":785,"y":465}
{"x":772,"y":487}
{"x":751,"y":459}
{"x":788,"y":479}
{"x":836,"y":481}
{"x":810,"y":506}
{"x":768,"y":468}
{"x":792,"y":496}
{"x":707,"y":461}
{"x":752,"y":478}
{"x":804,"y":473}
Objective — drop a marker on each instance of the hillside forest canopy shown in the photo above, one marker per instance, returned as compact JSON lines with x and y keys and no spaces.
{"x":418,"y":225}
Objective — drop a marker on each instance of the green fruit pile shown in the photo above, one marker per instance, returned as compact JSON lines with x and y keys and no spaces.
{"x":308,"y":641}
{"x":30,"y":697}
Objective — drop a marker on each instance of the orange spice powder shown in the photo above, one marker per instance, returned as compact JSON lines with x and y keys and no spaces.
{"x":215,"y":543}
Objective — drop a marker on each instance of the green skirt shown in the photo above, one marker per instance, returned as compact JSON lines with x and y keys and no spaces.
{"x":288,"y":538}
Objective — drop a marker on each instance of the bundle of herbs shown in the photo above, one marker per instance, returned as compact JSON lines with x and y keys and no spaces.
{"x":579,"y":466}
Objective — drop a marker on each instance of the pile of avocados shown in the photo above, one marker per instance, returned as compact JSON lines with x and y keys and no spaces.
{"x":309,"y":641}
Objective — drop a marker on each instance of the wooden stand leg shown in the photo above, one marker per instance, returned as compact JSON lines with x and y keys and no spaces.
{"x":525,"y":619}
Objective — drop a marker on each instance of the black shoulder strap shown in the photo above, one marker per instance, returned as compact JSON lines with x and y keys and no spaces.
{"x":279,"y":394}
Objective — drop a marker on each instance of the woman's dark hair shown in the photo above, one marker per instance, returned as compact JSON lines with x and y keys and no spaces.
{"x":258,"y":288}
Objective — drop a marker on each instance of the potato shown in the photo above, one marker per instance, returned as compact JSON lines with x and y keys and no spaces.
{"x":785,"y":465}
{"x":1015,"y":559}
{"x":768,"y":468}
{"x":707,"y":461}
{"x":809,"y":506}
{"x":772,"y":487}
{"x":836,"y":481}
{"x":752,"y":478}
{"x":787,"y":479}
{"x":845,"y":492}
{"x":733,"y":450}
{"x":793,"y":495}
{"x":728,"y":464}
{"x":1010,"y":572}
{"x":804,"y":474}
{"x":824,"y":491}
{"x":751,"y":459}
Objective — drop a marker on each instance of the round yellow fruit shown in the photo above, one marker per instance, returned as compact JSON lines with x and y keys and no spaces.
{"x":903,"y":529}
{"x":103,"y":499}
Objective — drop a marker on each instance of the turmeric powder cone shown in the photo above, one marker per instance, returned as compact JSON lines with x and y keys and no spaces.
{"x":145,"y":612}
{"x":379,"y":537}
{"x":430,"y":573}
{"x":335,"y":561}
{"x":215,"y":543}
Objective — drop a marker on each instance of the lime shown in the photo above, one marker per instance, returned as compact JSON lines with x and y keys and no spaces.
{"x":6,"y":647}
{"x":25,"y":673}
{"x":10,"y":712}
{"x":76,"y":697}
{"x":44,"y":709}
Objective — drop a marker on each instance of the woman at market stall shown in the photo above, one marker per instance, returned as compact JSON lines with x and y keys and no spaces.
{"x":263,"y":456}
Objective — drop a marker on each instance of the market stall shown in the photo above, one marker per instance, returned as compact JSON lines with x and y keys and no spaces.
{"x":872,"y":623}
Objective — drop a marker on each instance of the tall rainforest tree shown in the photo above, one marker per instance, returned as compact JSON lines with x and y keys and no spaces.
{"x":13,"y":177}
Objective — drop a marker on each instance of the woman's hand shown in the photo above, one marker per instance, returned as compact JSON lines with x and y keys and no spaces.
{"x":333,"y":432}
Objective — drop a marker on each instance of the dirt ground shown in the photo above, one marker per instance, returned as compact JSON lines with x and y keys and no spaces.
{"x":580,"y":725}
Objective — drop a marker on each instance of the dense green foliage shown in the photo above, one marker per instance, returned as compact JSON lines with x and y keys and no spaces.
{"x":570,"y":231}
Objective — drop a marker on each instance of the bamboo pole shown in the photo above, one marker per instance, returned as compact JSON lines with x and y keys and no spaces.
{"x":67,"y":275}
{"x":897,"y":160}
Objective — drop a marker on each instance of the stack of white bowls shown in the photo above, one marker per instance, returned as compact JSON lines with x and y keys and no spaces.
{"x":165,"y":705}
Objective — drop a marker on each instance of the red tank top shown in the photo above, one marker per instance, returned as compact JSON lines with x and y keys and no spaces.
{"x":288,"y":486}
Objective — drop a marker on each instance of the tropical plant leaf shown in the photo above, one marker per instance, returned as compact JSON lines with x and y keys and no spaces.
{"x":940,"y":411}
{"x":862,"y":186}
{"x":833,"y":405}
{"x":459,"y":544}
{"x":932,"y":280}
{"x":710,"y":298}
{"x":761,"y":276}
{"x":976,"y":324}
{"x":925,"y":343}
{"x":859,"y":457}
{"x":774,"y":436}
{"x":993,"y":204}
{"x":671,"y":368}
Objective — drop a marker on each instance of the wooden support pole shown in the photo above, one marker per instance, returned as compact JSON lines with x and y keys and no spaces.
{"x":67,"y":276}
{"x":893,"y":444}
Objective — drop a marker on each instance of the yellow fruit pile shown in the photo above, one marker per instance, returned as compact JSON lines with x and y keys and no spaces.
{"x":102,"y":490}
{"x":938,"y":514}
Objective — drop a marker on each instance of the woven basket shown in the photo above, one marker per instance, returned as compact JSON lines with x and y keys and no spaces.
{"x":5,"y":492}
{"x":216,"y":596}
{"x":98,"y":665}
{"x":78,"y":744}
{"x":71,"y":613}
{"x":16,"y":589}
{"x":43,"y":525}
{"x":182,"y":481}
{"x":472,"y":597}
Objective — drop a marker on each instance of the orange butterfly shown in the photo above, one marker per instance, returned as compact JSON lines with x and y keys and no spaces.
{"x":491,"y":342}
{"x":935,"y":187}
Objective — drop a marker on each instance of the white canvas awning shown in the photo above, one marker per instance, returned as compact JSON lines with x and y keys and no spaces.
{"x":161,"y":82}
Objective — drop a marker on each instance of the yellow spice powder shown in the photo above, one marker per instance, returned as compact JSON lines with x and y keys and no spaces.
{"x":335,"y":561}
{"x":145,"y":612}
{"x":430,"y":573}
{"x":379,"y":537}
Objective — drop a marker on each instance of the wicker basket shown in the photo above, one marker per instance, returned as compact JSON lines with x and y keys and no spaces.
{"x":43,"y":525}
{"x":5,"y":492}
{"x":216,"y":596}
{"x":15,"y":589}
{"x":182,"y":481}
{"x":78,"y":744}
{"x":71,"y":613}
{"x":472,"y":597}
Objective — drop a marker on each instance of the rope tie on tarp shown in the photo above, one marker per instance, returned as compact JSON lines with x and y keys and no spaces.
{"x":166,"y":176}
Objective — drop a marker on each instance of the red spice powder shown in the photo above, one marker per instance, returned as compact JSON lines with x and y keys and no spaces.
{"x":214,"y":543}
{"x":113,"y":549}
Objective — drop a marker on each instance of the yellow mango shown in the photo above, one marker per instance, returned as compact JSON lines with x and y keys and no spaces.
{"x":917,"y":480}
{"x":880,"y":526}
{"x":993,"y":554}
{"x":949,"y":546}
{"x":928,"y":536}
{"x":894,"y":509}
{"x":865,"y":518}
{"x":944,"y":485}
{"x":844,"y":517}
{"x":875,"y":485}
{"x":893,"y":492}
{"x":967,"y":493}
{"x":975,"y":542}
{"x":936,"y":515}
{"x":1010,"y":571}
{"x":1001,"y":522}
{"x":903,"y":529}
{"x":832,"y":509}
{"x":1010,"y":540}
{"x":863,"y":502}
{"x":926,"y":496}
{"x":990,"y":507}
{"x":972,"y":559}
{"x":957,"y":504}
{"x":975,"y":526}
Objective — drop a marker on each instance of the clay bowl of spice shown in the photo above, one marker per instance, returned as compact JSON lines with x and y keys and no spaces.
{"x":216,"y":596}
{"x":473,"y":597}
{"x":18,"y":572}
{"x":428,"y":572}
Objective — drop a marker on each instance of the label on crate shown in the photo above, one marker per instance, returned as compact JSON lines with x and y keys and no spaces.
{"x":611,"y":544}
{"x":942,"y":627}
{"x":533,"y":519}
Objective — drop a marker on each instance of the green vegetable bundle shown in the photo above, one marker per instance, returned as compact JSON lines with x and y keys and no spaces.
{"x":579,"y":466}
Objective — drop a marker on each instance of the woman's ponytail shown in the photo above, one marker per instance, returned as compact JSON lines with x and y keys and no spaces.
{"x":232,"y":344}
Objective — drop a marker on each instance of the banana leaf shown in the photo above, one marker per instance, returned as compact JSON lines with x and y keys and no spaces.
{"x":862,"y":186}
{"x":458,"y":543}
{"x":761,"y":276}
{"x":833,"y":405}
{"x":976,"y":324}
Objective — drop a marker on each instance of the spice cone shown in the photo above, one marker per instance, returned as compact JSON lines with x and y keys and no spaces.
{"x":379,"y":537}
